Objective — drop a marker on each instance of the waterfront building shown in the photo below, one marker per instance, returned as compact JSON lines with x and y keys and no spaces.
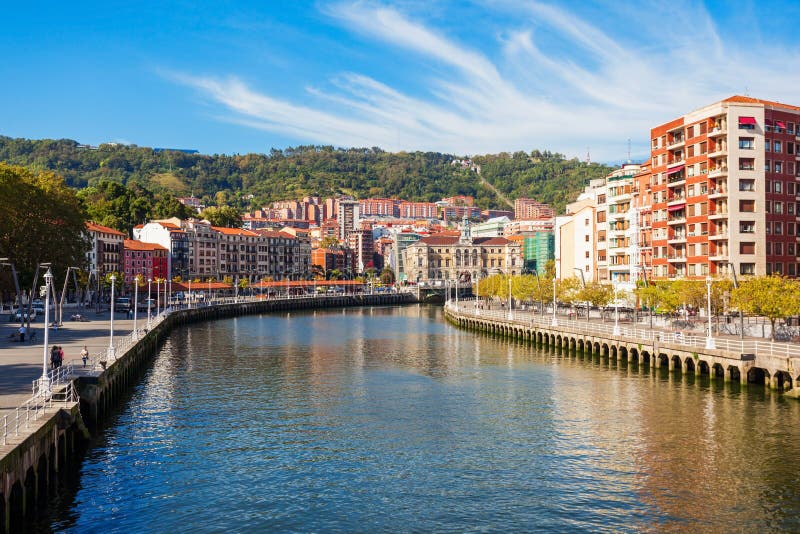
{"x":203,"y":249}
{"x":401,"y":239}
{"x":579,"y":245}
{"x":446,"y":257}
{"x":168,"y":234}
{"x":363,"y":247}
{"x":537,"y":249}
{"x":517,"y":227}
{"x":379,"y":207}
{"x":724,"y":185}
{"x":105,"y":253}
{"x":621,"y":231}
{"x":146,"y":259}
{"x":334,"y":258}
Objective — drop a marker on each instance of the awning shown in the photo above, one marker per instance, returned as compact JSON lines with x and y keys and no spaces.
{"x":674,"y":170}
{"x":676,"y":207}
{"x":768,"y":122}
{"x":780,"y":124}
{"x":747,"y":120}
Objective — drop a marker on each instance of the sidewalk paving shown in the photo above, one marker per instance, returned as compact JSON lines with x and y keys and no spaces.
{"x":21,"y":363}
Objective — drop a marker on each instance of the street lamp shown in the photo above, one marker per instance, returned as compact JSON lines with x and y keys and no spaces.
{"x":554,"y":322}
{"x":616,"y":331}
{"x":135,"y":303}
{"x":510,"y":313}
{"x":158,"y":296}
{"x":741,"y":313}
{"x":583,"y":285}
{"x":60,"y":320}
{"x":190,"y":293}
{"x":710,"y":344}
{"x":149,"y":301}
{"x":44,"y":385}
{"x":111,"y":351}
{"x":4,"y":261}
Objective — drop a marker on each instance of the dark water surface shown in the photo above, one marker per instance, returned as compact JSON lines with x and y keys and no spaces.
{"x":389,"y":419}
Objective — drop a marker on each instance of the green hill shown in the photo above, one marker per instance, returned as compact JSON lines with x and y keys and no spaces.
{"x":252,"y":180}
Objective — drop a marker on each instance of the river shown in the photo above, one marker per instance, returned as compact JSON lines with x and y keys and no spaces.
{"x":390,"y":419}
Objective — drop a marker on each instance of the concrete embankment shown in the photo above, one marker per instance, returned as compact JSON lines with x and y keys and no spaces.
{"x":31,"y":462}
{"x":776,"y":366}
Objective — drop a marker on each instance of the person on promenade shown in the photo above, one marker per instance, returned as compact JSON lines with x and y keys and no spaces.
{"x":22,"y":332}
{"x":53,"y":357}
{"x":60,"y":356}
{"x":85,"y":355}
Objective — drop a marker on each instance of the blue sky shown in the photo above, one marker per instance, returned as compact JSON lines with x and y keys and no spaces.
{"x":457,"y":77}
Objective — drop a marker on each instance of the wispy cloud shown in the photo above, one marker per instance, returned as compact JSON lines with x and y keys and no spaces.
{"x":550,"y":80}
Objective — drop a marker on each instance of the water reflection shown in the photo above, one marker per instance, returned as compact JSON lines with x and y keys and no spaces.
{"x":390,"y":419}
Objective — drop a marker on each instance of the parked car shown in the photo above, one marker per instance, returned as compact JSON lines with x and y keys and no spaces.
{"x":22,"y":315}
{"x":122,"y":304}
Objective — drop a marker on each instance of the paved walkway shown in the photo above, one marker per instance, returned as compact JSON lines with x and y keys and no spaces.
{"x":21,"y":363}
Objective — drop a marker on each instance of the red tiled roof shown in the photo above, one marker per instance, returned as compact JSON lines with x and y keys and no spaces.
{"x":234,"y":231}
{"x":751,"y":100}
{"x":491,"y":241}
{"x":132,"y":244}
{"x":439,"y":240}
{"x":93,"y":227}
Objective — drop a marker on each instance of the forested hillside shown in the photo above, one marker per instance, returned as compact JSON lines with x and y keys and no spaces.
{"x":305,"y":170}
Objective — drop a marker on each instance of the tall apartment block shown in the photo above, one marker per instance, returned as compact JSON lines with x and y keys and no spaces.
{"x":723,"y":188}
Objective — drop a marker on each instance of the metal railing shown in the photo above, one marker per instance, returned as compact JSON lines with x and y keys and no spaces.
{"x":736,"y":347}
{"x":36,"y":406}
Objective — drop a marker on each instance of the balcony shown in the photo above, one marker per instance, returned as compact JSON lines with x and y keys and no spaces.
{"x":676,"y":199}
{"x":678,"y":238}
{"x":717,"y":193}
{"x":719,"y":151}
{"x":676,"y":161}
{"x":677,"y":258}
{"x":719,"y":256}
{"x":718,"y":236}
{"x":679,"y":219}
{"x":676,"y":143}
{"x":721,"y":213}
{"x":718,"y":131}
{"x":717,"y":172}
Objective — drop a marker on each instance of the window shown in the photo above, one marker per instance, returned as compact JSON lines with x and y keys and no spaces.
{"x":767,"y":166}
{"x":779,"y":167}
{"x":790,"y":148}
{"x":777,"y":186}
{"x":747,"y":185}
{"x":767,"y":145}
{"x":791,"y":269}
{"x":790,"y":249}
{"x":790,"y":208}
{"x":790,"y":127}
{"x":747,"y":227}
{"x":747,"y":268}
{"x":746,"y":143}
{"x":777,"y":249}
{"x":747,"y":206}
{"x":587,"y":253}
{"x":777,"y":147}
{"x":690,"y":151}
{"x":778,"y":269}
{"x":746,"y":164}
{"x":703,"y":147}
{"x":747,"y":248}
{"x":586,"y":238}
{"x":778,"y":228}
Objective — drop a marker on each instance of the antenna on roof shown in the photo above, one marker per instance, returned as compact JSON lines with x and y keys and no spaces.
{"x":629,"y":150}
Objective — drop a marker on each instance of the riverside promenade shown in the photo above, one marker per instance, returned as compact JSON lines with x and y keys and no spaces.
{"x":747,"y":360}
{"x":21,"y":363}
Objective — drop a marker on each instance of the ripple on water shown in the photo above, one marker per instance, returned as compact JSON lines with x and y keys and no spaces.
{"x":391,"y":420}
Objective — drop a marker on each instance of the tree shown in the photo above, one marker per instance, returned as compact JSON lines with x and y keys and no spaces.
{"x":387,"y":276}
{"x":773,"y":297}
{"x":41,"y":220}
{"x":596,"y":294}
{"x":329,"y":242}
{"x":225,"y":216}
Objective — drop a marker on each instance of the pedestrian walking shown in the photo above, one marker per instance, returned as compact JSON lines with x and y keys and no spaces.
{"x":85,"y":355}
{"x":22,"y":332}
{"x":60,"y":356}
{"x":54,"y":357}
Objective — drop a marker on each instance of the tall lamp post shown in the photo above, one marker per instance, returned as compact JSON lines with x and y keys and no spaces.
{"x":554,"y":322}
{"x":710,"y":344}
{"x":583,"y":285}
{"x":44,"y":386}
{"x":741,"y":314}
{"x":149,"y":301}
{"x":111,"y":351}
{"x":135,"y":303}
{"x":158,"y":296}
{"x":190,"y":293}
{"x":510,"y":313}
{"x":616,"y":331}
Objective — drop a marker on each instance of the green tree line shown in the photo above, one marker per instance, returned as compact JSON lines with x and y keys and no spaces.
{"x":253,"y":180}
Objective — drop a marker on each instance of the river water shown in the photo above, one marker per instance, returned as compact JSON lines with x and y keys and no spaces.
{"x":390,"y":419}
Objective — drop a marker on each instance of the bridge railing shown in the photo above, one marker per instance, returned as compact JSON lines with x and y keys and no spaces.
{"x":738,"y":347}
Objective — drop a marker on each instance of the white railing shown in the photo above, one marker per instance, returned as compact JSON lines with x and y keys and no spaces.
{"x":33,"y":408}
{"x":737,"y":347}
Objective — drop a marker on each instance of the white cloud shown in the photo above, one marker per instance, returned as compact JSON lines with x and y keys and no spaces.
{"x":593,"y":89}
